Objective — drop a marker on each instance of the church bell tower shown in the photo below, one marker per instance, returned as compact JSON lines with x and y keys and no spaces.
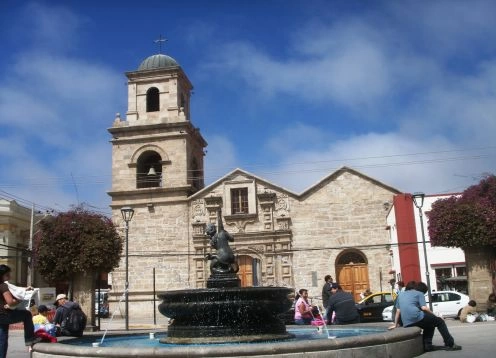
{"x":157,"y":164}
{"x":157,"y":154}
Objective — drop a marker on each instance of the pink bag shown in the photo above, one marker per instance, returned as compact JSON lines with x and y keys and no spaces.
{"x":317,"y":322}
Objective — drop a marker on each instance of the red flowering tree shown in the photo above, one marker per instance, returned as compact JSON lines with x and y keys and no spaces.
{"x":469,"y":222}
{"x":74,"y":247}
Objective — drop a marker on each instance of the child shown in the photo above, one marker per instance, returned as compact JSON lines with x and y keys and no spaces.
{"x":42,"y":326}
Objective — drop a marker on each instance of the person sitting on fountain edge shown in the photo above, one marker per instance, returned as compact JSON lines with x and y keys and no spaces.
{"x":411,"y":306}
{"x":303,"y":309}
{"x":343,"y":305}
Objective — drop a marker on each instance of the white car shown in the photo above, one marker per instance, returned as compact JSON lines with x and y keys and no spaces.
{"x":444,"y":304}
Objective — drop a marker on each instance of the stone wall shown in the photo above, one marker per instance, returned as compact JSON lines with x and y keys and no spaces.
{"x":345,"y":212}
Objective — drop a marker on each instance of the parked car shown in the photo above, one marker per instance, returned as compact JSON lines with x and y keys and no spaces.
{"x":371,"y":307}
{"x":448,"y":303}
{"x":444,"y":303}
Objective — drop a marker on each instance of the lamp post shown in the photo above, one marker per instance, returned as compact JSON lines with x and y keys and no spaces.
{"x":418,"y":200}
{"x":127,"y":214}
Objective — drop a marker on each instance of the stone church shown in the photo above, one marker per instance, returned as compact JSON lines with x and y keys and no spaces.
{"x":336,"y":227}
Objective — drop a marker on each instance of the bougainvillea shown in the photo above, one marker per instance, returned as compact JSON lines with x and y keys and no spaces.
{"x":75,"y":242}
{"x":468,"y":220}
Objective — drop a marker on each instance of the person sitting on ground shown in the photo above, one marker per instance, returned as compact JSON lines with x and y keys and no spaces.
{"x":491,"y":305}
{"x":303,"y":309}
{"x":8,"y":315}
{"x":343,"y":306}
{"x":468,"y":309}
{"x":411,"y":306}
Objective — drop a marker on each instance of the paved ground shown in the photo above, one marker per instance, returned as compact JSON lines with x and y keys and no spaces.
{"x":477,"y":339}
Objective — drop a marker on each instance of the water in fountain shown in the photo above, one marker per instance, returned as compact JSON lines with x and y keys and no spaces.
{"x":113,"y":314}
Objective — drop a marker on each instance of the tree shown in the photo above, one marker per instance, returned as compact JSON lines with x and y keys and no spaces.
{"x":469,"y":222}
{"x":75,"y":246}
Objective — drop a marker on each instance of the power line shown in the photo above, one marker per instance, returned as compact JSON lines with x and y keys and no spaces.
{"x":179,"y":179}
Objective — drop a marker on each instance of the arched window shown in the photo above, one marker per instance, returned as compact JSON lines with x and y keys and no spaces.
{"x":351,"y":257}
{"x":149,"y":170}
{"x":152,"y":100}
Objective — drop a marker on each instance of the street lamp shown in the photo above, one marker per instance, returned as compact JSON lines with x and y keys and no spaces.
{"x":127,"y":214}
{"x":418,"y":200}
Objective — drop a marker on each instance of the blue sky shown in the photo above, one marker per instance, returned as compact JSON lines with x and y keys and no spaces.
{"x":403,"y":91}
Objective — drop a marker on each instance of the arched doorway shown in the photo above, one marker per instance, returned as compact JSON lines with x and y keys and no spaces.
{"x":352,"y":272}
{"x":249,"y":271}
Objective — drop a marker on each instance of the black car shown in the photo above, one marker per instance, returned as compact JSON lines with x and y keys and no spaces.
{"x":371,"y":307}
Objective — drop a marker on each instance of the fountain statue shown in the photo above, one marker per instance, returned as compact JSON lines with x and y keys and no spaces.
{"x":224,"y":311}
{"x":223,"y":266}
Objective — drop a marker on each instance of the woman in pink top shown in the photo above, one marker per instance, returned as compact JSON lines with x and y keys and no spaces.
{"x":303,"y":309}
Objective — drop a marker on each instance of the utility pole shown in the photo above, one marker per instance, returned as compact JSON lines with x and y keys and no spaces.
{"x":30,"y":249}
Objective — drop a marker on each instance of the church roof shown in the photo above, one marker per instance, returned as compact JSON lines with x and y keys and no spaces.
{"x":157,"y":61}
{"x":303,"y":194}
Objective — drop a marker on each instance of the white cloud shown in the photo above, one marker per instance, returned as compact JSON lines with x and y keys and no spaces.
{"x":431,"y":165}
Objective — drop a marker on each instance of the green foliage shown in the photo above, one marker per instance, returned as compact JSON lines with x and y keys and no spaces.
{"x":74,"y":242}
{"x":468,"y":220}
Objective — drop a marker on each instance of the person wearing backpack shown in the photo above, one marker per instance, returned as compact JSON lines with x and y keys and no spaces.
{"x":69,"y":318}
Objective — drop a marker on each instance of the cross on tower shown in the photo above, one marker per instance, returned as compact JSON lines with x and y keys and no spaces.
{"x":159,"y":42}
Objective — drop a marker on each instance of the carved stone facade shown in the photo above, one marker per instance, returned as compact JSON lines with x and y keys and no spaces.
{"x":280,"y":237}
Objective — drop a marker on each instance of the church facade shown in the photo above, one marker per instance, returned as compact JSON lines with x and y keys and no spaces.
{"x":282,"y":238}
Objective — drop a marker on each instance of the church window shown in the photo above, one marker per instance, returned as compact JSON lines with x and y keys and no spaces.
{"x":196,"y":178}
{"x":152,"y":100}
{"x":183,"y":102}
{"x":239,"y":201}
{"x":351,"y":257}
{"x":149,"y":170}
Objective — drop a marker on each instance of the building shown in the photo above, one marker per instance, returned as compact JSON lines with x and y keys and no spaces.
{"x":280,"y":237}
{"x":15,"y":222}
{"x":447,"y":269}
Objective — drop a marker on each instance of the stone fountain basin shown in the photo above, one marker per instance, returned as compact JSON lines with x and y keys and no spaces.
{"x":230,"y":314}
{"x":398,"y":343}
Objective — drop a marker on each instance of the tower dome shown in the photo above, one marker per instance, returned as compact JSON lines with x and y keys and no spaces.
{"x":157,"y":61}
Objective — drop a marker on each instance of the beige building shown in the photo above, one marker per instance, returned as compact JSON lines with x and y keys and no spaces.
{"x":15,"y":221}
{"x":283,"y":238}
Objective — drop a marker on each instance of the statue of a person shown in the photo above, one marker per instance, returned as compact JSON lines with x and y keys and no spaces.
{"x":223,"y":261}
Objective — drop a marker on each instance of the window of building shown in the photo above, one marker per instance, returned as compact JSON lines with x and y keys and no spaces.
{"x":351,"y":257}
{"x":239,"y":201}
{"x":461,"y":271}
{"x":196,"y":176}
{"x":152,"y":100}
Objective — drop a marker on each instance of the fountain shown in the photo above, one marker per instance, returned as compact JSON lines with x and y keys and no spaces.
{"x":224,"y":311}
{"x":226,"y":320}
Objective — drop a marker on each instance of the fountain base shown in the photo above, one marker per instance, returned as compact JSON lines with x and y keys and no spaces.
{"x":230,"y":314}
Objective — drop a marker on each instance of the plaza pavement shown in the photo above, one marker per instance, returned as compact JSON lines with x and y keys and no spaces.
{"x":477,"y":339}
